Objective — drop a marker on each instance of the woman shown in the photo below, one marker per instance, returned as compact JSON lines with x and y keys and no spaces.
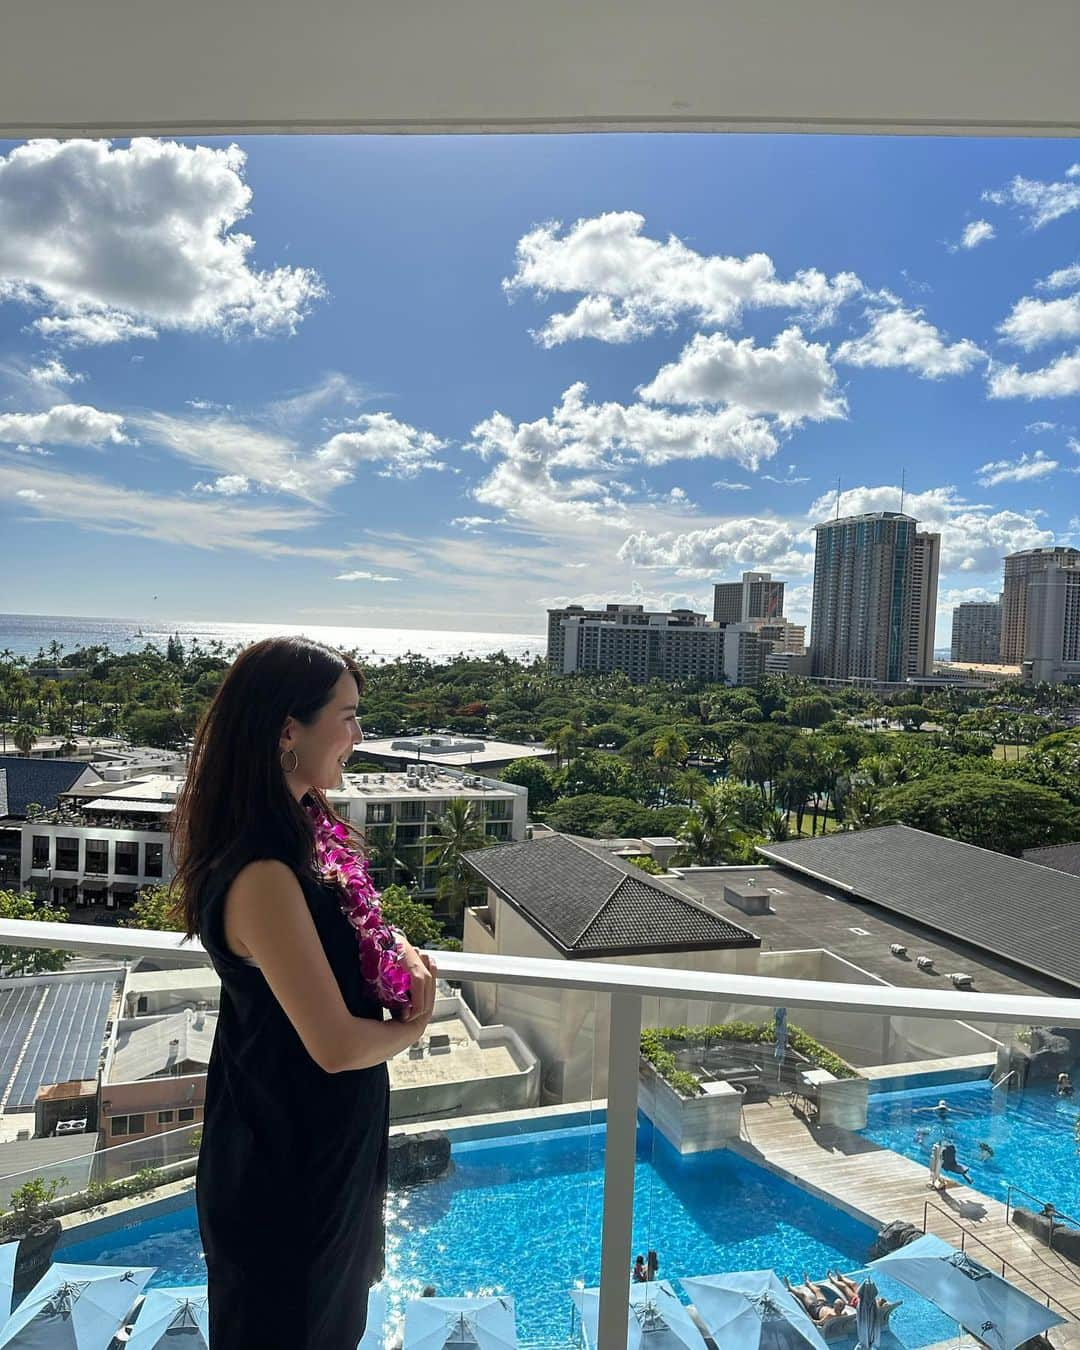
{"x":292,"y":1166}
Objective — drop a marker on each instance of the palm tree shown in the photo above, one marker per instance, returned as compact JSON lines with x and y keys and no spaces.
{"x":24,"y":737}
{"x":669,"y":751}
{"x":383,"y":853}
{"x":456,"y":832}
{"x":776,"y":827}
{"x":863,"y":809}
{"x":564,"y":742}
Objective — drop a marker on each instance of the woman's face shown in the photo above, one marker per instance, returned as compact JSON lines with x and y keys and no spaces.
{"x":323,"y":747}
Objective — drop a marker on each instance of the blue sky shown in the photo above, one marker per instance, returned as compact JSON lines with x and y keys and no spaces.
{"x":449,"y":382}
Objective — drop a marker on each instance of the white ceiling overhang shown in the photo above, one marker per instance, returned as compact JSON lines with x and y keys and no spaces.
{"x":115,"y":67}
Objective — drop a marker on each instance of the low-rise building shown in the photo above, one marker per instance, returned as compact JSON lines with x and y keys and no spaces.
{"x":563,"y":899}
{"x":471,"y":754}
{"x":397,"y":811}
{"x":95,"y":852}
{"x":28,"y":785}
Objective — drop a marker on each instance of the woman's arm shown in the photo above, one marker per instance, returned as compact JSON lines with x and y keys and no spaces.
{"x":269,"y":915}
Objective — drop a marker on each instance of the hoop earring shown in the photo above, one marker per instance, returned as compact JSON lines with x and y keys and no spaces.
{"x":295,"y":760}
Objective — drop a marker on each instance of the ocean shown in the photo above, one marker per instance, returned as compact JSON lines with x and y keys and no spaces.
{"x":25,"y":634}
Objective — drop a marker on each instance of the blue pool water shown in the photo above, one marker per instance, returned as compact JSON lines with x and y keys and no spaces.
{"x":522,"y":1215}
{"x":1032,"y":1134}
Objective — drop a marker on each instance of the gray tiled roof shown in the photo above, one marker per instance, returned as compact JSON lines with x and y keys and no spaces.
{"x":1007,"y":906}
{"x":25,"y":780}
{"x":1061,"y":857}
{"x":590,"y":904}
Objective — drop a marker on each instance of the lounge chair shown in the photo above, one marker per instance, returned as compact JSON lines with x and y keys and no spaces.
{"x":840,"y":1328}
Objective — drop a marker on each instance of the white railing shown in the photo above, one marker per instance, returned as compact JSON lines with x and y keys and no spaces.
{"x":626,"y":986}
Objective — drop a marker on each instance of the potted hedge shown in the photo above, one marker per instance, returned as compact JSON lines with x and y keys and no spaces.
{"x":32,"y":1223}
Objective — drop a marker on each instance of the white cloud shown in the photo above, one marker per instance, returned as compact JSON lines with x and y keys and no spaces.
{"x":1040,"y":428}
{"x":117,"y":243}
{"x":228,"y":485}
{"x":792,"y":379}
{"x":1033,"y":322}
{"x":903,"y":339}
{"x":951,"y":596}
{"x":1021,"y":470}
{"x":975,"y":233}
{"x":1060,"y":280}
{"x":363,"y":576}
{"x":402,"y":450}
{"x":727,"y":486}
{"x":1057,"y":380}
{"x":631,"y":284}
{"x":602,"y":438}
{"x":974,"y":537}
{"x":234,"y":449}
{"x":473,"y":522}
{"x":738,"y":544}
{"x":65,"y":424}
{"x":52,"y":371}
{"x":1040,"y":202}
{"x":790,"y":479}
{"x":92,"y":327}
{"x":206,"y":522}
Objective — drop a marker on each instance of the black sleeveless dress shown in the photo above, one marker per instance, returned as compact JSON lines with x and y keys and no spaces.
{"x":292,"y":1167}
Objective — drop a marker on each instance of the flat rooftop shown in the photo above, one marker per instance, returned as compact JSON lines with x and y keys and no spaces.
{"x":359,"y":786}
{"x":465,"y":1061}
{"x":460,"y":752}
{"x":808,"y":915}
{"x":1000,"y":905}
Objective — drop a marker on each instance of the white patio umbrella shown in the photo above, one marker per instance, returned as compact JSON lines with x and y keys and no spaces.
{"x":480,"y":1323}
{"x":177,"y":1317}
{"x":8,"y":1252}
{"x":658,"y":1320}
{"x":75,"y":1307}
{"x":373,"y":1336}
{"x":989,"y":1307}
{"x":752,"y":1310}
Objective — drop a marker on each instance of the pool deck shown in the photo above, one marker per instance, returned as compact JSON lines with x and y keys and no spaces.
{"x":877,"y":1185}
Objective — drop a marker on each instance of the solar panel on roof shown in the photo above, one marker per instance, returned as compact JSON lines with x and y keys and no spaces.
{"x":56,"y":1025}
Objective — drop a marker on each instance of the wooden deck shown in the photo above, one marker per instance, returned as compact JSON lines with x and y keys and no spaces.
{"x":877,"y":1185}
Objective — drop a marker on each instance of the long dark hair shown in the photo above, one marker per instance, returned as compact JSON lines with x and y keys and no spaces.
{"x":235,"y":805}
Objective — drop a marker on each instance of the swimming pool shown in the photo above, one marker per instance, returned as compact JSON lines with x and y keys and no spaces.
{"x":1032,"y":1134}
{"x":521,"y":1214}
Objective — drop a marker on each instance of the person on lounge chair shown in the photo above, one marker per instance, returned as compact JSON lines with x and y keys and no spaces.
{"x":652,"y":1265}
{"x":950,"y":1162}
{"x":849,"y":1289}
{"x":819,"y":1304}
{"x":639,"y":1274}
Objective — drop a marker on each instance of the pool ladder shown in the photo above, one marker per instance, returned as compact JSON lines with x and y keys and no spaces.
{"x":1003,"y":1080}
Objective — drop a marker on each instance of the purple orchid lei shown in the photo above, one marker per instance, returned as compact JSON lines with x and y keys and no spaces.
{"x":382,"y":955}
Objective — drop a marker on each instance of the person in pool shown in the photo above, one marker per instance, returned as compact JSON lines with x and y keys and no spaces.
{"x":985,"y":1151}
{"x":1064,"y":1085}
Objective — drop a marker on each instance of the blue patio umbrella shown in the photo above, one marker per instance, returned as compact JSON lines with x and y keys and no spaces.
{"x":986,"y":1305}
{"x":868,"y":1321}
{"x":177,"y":1317}
{"x":485,"y":1323}
{"x":75,"y":1306}
{"x":752,"y":1310}
{"x":657,"y":1321}
{"x":8,"y":1252}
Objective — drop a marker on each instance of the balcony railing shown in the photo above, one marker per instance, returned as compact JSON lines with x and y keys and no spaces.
{"x":710,"y":1138}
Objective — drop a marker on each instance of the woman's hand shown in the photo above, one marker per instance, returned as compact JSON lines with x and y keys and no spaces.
{"x":422,"y":976}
